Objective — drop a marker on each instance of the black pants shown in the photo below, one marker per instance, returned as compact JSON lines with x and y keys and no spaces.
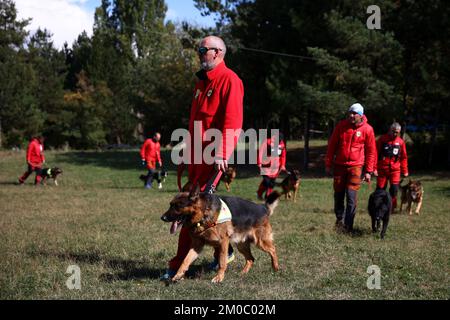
{"x":149,"y":177}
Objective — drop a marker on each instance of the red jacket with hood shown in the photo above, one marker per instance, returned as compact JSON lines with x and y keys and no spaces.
{"x":35,"y":155}
{"x":352,"y":145}
{"x":276,"y":158}
{"x":392,"y":154}
{"x":217,"y":103}
{"x":151,"y":151}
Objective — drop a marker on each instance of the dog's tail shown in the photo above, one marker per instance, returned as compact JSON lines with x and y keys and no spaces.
{"x":272,"y":202}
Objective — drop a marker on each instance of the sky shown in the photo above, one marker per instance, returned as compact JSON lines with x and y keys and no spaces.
{"x":66,"y":19}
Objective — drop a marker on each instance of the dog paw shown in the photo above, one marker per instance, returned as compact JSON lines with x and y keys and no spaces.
{"x":176,"y":278}
{"x":217,"y":279}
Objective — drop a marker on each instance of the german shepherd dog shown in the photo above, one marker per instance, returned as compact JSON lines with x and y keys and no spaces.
{"x":228,"y":177}
{"x":380,"y":208}
{"x":291,"y":184}
{"x":412,"y":193}
{"x":159,"y":176}
{"x":53,"y":173}
{"x":249,"y":223}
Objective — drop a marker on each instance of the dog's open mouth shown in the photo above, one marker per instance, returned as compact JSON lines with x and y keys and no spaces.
{"x":176,"y":225}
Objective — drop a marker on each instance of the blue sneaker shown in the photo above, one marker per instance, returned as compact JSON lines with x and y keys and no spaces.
{"x":148,"y":186}
{"x":215,"y":264}
{"x":168,"y":275}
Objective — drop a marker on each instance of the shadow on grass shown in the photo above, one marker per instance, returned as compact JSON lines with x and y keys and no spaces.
{"x":125,"y":269}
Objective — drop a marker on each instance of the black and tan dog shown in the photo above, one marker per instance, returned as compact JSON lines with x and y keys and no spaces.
{"x":228,"y":177}
{"x":291,"y":184}
{"x":380,"y":208}
{"x":412,"y":193}
{"x":209,"y":224}
{"x":159,"y":176}
{"x":53,"y":173}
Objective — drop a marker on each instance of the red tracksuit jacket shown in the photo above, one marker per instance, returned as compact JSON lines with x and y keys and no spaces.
{"x":151,"y":151}
{"x":392,"y":154}
{"x":35,"y":155}
{"x":352,"y":145}
{"x":217,"y":103}
{"x":276,"y":157}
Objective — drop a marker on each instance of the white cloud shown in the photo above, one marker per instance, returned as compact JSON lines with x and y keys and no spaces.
{"x":65,"y":19}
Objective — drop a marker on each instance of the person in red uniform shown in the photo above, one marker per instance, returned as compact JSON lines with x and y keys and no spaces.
{"x":392,"y":161}
{"x":217,"y":103}
{"x":351,"y":151}
{"x":35,"y":159}
{"x":150,"y":154}
{"x":271,"y":162}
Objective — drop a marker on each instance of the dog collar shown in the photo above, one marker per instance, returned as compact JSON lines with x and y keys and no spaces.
{"x":224,"y":216}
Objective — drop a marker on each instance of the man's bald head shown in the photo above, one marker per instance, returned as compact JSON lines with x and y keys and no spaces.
{"x":214,"y":53}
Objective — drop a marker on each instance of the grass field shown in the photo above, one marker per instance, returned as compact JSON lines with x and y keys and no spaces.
{"x":101,"y":219}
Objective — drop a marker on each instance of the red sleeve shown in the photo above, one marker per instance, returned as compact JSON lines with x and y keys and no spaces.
{"x":143,"y":148}
{"x":262,"y":149}
{"x":332,"y":144}
{"x":283,"y":157}
{"x":41,"y":152}
{"x":233,"y":99}
{"x":379,"y":145}
{"x":370,"y":151}
{"x":158,"y":152}
{"x":404,"y":159}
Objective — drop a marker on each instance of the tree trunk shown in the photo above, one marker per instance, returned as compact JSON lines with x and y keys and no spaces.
{"x":306,"y":148}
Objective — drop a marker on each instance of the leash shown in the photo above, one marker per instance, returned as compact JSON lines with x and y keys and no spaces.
{"x":180,"y":171}
{"x":213,"y":181}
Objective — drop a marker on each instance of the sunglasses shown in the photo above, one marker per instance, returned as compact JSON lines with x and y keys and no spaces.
{"x":203,"y":50}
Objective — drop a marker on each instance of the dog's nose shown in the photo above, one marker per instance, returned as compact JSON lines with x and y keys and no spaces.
{"x":164,"y":218}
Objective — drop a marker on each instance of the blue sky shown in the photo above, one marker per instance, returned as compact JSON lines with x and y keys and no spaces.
{"x":66,"y":19}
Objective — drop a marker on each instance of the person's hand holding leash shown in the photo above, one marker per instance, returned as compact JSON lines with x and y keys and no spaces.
{"x":221,"y":165}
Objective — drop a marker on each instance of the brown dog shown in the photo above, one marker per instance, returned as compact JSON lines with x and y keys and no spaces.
{"x":228,"y":177}
{"x":291,"y":184}
{"x":412,"y":193}
{"x":216,"y":221}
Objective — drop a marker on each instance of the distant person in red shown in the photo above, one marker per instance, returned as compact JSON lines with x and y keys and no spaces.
{"x":271,"y":162}
{"x":351,"y":154}
{"x":392,"y":161}
{"x":217,"y":103}
{"x":150,"y":155}
{"x":35,"y":159}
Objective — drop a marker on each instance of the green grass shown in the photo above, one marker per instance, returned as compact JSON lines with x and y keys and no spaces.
{"x":101,"y":219}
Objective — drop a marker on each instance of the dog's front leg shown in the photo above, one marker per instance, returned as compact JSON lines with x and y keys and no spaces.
{"x":223,"y":257}
{"x":419,"y":205}
{"x":191,"y":256}
{"x":56,"y":182}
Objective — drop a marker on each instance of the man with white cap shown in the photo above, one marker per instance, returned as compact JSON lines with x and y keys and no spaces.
{"x":351,"y":151}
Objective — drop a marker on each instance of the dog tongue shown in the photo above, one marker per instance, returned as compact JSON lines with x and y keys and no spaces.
{"x":174,"y":227}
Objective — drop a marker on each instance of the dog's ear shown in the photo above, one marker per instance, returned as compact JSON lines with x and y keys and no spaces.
{"x":195,"y":191}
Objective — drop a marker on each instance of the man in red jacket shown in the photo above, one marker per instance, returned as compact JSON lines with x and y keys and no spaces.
{"x":35,"y":159}
{"x":150,"y":154}
{"x":271,"y":162}
{"x":217,"y":103}
{"x":392,"y":161}
{"x":351,"y":149}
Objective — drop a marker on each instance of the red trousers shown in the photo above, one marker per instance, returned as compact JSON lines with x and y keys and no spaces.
{"x":30,"y":170}
{"x":387,"y":175}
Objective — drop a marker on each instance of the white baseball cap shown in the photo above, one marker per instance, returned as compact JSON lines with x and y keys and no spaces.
{"x":357,"y":108}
